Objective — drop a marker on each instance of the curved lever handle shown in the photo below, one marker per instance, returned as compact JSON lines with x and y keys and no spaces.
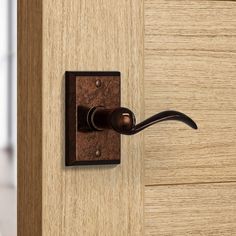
{"x":125,"y":128}
{"x":123,"y":121}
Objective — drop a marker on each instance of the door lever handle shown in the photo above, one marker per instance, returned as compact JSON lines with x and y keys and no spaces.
{"x":123,"y":120}
{"x":95,"y":119}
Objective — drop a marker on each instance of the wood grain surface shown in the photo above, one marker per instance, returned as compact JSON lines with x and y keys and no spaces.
{"x":29,"y":127}
{"x":90,"y":36}
{"x":192,"y":209}
{"x":65,"y":35}
{"x":190,"y":66}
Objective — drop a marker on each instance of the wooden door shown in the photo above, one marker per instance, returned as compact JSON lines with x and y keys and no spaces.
{"x":172,"y":55}
{"x":190,"y":65}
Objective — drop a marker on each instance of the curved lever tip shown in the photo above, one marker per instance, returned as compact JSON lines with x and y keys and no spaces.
{"x":175,"y":115}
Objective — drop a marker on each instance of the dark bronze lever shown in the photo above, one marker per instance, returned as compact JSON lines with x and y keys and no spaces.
{"x":95,"y":119}
{"x":123,"y":121}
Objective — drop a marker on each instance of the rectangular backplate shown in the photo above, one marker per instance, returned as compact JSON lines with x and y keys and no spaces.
{"x":90,"y":89}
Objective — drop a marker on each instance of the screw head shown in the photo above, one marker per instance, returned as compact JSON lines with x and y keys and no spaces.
{"x":98,"y":83}
{"x":98,"y":153}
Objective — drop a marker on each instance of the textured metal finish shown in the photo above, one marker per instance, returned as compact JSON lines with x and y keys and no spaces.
{"x":86,"y":90}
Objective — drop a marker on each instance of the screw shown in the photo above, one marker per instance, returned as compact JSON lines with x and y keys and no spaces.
{"x":98,"y":153}
{"x":98,"y":83}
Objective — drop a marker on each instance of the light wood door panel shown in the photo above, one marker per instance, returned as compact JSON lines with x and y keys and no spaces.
{"x":72,"y":35}
{"x":192,"y":209}
{"x":202,"y":18}
{"x":190,"y":65}
{"x":172,"y":55}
